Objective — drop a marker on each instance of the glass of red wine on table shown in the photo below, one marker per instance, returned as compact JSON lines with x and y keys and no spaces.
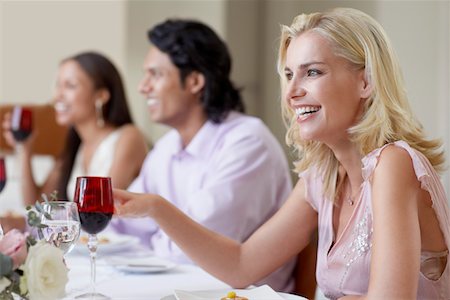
{"x":95,"y":202}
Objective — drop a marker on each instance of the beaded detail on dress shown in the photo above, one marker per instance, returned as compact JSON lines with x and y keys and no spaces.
{"x":361,"y":242}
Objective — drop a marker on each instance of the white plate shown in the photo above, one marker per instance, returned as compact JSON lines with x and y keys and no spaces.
{"x":108,"y":243}
{"x":262,"y":292}
{"x":149,"y":264}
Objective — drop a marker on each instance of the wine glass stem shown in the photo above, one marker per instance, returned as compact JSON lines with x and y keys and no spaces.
{"x":92,"y":246}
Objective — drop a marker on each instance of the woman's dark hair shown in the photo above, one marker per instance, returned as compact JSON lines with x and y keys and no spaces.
{"x":193,"y":46}
{"x":115,"y":111}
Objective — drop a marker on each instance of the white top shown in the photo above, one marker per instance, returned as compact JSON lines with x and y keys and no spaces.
{"x":100,"y":163}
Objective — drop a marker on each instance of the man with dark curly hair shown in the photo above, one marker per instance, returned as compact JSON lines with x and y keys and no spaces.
{"x":223,"y":168}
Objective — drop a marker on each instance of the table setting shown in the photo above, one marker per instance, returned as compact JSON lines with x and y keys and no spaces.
{"x":102,"y":264}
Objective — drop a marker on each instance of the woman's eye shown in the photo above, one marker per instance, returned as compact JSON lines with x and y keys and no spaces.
{"x":288,"y":76}
{"x":313,"y":72}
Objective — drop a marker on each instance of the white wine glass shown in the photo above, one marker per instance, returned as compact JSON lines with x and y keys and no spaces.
{"x":63,"y":224}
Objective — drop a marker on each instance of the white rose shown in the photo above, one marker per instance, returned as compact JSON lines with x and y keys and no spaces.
{"x":46,"y":272}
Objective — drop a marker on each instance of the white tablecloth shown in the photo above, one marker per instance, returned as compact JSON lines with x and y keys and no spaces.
{"x":132,"y":286}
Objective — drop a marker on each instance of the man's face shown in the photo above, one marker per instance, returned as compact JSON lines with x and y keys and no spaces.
{"x":168,"y":101}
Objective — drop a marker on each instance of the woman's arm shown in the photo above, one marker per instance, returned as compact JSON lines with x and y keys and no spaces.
{"x":396,"y":231}
{"x":282,"y":237}
{"x":129,"y":156}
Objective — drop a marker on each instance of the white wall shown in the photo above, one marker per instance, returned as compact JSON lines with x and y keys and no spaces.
{"x":36,"y":35}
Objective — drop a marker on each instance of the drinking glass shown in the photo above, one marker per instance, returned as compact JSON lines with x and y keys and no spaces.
{"x":2,"y":173}
{"x":94,"y":198}
{"x":21,"y":123}
{"x":63,"y":224}
{"x":2,"y":183}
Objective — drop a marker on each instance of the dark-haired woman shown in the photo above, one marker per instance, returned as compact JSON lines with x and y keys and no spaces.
{"x":102,"y":140}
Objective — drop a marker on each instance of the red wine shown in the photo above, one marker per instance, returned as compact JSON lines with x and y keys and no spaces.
{"x":94,"y":222}
{"x":2,"y":174}
{"x":20,"y":135}
{"x":21,"y":123}
{"x":2,"y":184}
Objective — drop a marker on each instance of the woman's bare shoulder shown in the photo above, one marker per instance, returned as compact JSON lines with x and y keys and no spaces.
{"x":130,"y":132}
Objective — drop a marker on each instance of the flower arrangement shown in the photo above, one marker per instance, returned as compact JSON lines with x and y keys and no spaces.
{"x":30,"y":269}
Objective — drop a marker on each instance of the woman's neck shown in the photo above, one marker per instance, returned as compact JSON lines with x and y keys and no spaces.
{"x":91,"y":133}
{"x":349,"y":157}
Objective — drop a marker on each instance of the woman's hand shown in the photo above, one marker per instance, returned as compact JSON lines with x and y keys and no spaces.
{"x":135,"y":205}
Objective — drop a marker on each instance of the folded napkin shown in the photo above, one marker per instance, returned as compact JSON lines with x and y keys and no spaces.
{"x":264,"y":292}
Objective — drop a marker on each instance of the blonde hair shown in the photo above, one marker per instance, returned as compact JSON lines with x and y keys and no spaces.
{"x":387,"y":116}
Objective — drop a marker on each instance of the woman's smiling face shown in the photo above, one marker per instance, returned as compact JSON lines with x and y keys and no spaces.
{"x":323,"y":89}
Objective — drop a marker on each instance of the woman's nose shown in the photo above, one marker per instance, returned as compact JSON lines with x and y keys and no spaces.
{"x":295,"y":91}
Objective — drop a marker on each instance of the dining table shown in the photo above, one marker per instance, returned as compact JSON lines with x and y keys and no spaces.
{"x":118,"y":284}
{"x":125,"y":284}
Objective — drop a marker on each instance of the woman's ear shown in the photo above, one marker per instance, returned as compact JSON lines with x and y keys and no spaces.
{"x":195,"y":82}
{"x":104,"y":95}
{"x":366,"y":86}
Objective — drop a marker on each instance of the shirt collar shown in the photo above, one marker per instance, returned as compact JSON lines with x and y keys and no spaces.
{"x":203,"y":141}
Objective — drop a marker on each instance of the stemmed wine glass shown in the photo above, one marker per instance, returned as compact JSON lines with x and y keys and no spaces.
{"x":21,"y":123}
{"x":2,"y":183}
{"x":63,"y":224}
{"x":94,"y":198}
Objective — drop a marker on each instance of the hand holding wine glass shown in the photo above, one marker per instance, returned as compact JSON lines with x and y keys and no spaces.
{"x":94,"y":198}
{"x":17,"y":126}
{"x":21,"y":123}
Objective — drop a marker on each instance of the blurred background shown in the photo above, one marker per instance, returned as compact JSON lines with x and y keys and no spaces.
{"x":36,"y":35}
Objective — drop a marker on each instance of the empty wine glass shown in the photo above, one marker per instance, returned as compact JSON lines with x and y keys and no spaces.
{"x":94,"y":198}
{"x":21,"y":123}
{"x":63,"y":224}
{"x":2,"y":183}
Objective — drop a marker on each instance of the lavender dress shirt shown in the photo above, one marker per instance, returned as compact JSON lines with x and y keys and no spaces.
{"x":232,"y":177}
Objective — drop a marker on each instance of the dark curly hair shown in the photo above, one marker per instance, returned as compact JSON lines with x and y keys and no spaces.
{"x":193,"y":46}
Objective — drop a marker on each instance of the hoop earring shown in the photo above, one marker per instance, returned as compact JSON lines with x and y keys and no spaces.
{"x":99,"y":113}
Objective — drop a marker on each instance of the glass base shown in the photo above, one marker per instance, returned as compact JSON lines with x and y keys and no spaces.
{"x":93,"y":296}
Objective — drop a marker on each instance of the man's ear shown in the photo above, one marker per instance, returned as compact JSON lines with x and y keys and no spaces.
{"x":195,"y":82}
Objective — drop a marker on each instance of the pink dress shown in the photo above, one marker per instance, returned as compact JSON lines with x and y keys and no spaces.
{"x":345,"y":269}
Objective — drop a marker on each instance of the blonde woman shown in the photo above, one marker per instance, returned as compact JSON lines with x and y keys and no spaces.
{"x":368,"y":177}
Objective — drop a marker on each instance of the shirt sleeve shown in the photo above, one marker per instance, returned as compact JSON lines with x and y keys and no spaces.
{"x":245,"y":184}
{"x":308,"y":178}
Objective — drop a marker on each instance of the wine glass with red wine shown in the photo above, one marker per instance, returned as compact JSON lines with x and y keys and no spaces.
{"x":94,"y":199}
{"x":2,"y":173}
{"x":21,"y":123}
{"x":2,"y":183}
